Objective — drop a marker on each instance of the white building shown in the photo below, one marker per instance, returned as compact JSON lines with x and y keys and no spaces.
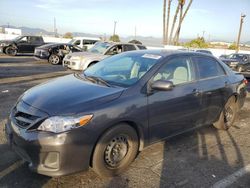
{"x":12,"y":31}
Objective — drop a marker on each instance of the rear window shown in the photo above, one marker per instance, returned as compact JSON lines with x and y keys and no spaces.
{"x":128,"y":47}
{"x":141,"y":47}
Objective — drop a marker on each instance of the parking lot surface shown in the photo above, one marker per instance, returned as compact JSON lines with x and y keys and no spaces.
{"x":202,"y":158}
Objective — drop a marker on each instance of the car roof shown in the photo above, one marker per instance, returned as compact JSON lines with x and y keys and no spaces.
{"x":165,"y":52}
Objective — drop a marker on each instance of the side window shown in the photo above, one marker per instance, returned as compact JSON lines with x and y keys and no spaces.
{"x":114,"y":50}
{"x":23,"y":40}
{"x":78,"y":42}
{"x":208,"y":67}
{"x":128,"y":47}
{"x":34,"y":40}
{"x":178,"y":70}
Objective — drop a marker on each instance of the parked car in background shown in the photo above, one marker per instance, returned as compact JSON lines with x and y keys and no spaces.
{"x":101,"y":50}
{"x":55,"y":53}
{"x":84,"y":42}
{"x":204,"y":51}
{"x":105,"y":115}
{"x":237,"y":61}
{"x":21,"y":44}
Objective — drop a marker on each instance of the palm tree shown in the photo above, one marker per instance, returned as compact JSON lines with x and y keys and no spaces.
{"x":164,"y":21}
{"x":177,"y":34}
{"x":167,"y":24}
{"x":174,"y":22}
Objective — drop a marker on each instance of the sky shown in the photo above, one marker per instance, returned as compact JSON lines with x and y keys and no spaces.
{"x":216,"y":19}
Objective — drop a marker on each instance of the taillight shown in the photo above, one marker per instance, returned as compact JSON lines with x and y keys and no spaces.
{"x":245,"y":81}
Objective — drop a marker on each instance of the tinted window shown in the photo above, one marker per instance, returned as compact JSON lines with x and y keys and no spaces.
{"x":85,"y":42}
{"x":208,"y":67}
{"x":78,"y":42}
{"x":141,"y":47}
{"x":128,"y":47}
{"x":178,"y":70}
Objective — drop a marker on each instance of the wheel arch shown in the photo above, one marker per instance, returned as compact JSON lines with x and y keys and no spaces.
{"x":132,"y":124}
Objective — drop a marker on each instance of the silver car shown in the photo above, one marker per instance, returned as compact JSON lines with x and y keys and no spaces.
{"x":101,"y":50}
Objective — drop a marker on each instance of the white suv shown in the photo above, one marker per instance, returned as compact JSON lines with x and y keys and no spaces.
{"x":84,"y":42}
{"x":101,"y":50}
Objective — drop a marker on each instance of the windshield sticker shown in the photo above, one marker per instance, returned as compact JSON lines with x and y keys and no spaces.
{"x":151,"y":56}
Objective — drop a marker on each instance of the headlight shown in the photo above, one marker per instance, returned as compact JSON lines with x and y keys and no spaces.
{"x":76,"y":58}
{"x":234,"y":63}
{"x":58,"y":124}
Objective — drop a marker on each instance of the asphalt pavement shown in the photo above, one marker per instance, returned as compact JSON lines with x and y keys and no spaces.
{"x":202,"y":158}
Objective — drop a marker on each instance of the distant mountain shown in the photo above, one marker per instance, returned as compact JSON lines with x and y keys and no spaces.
{"x":148,"y":41}
{"x":30,"y":31}
{"x":248,"y":42}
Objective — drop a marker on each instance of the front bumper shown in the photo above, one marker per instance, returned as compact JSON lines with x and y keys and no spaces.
{"x":51,"y":154}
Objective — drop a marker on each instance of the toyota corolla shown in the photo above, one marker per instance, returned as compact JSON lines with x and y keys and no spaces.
{"x":103,"y":117}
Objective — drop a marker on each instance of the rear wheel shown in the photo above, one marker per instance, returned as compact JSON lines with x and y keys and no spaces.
{"x":227,"y":115}
{"x":11,"y":51}
{"x":115,"y":150}
{"x":54,"y":59}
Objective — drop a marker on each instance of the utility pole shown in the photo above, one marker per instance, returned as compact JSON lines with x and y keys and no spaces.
{"x":135,"y":32}
{"x":239,"y":34}
{"x":114,"y":27}
{"x":55,"y":30}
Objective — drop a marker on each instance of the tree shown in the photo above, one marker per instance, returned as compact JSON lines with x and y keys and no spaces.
{"x":197,"y":43}
{"x":68,"y":35}
{"x":134,"y":41}
{"x":174,"y":22}
{"x":233,"y":46}
{"x":115,"y":38}
{"x":164,"y":22}
{"x":167,"y":24}
{"x":177,"y":34}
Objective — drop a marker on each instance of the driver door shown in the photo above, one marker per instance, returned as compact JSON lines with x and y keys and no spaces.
{"x":23,"y":45}
{"x":175,"y":111}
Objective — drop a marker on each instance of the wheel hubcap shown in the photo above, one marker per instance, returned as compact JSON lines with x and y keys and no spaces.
{"x":116,"y":151}
{"x":228,"y":115}
{"x":54,"y":59}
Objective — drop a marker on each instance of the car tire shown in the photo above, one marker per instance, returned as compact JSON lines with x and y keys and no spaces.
{"x":227,"y":115}
{"x":115,"y":150}
{"x":54,"y":59}
{"x":11,"y":51}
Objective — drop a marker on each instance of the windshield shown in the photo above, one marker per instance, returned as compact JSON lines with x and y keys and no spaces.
{"x":17,"y":38}
{"x":124,"y":69}
{"x":236,"y":56}
{"x":99,"y":47}
{"x":72,"y":41}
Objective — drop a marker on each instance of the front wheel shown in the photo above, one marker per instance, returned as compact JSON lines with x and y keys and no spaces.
{"x":227,"y":115}
{"x":115,"y":150}
{"x":11,"y":51}
{"x":54,"y":59}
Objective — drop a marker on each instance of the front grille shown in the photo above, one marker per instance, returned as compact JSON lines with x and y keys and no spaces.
{"x":24,"y":120}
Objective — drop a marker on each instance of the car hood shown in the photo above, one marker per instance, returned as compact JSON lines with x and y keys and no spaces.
{"x":69,"y":95}
{"x":6,"y":41}
{"x":88,"y":55}
{"x":50,"y":45}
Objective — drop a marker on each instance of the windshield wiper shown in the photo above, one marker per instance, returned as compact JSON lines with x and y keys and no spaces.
{"x":97,"y":80}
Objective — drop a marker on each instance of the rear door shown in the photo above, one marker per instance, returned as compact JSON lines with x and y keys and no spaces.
{"x":213,"y":85}
{"x":175,"y":111}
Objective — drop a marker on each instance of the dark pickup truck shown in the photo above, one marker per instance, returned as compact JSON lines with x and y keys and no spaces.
{"x":21,"y":44}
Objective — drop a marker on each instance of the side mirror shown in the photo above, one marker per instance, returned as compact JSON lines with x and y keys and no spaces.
{"x":162,"y":85}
